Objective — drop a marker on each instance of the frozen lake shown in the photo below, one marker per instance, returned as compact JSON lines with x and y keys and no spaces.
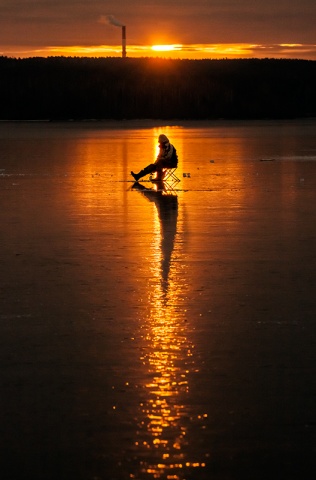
{"x":158,"y":335}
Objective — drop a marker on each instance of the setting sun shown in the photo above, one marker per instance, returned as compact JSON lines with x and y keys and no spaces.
{"x":165,"y":48}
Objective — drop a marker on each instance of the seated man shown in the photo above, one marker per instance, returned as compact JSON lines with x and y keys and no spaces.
{"x":167,"y":158}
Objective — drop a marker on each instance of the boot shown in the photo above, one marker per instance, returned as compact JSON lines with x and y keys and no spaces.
{"x":136,"y":176}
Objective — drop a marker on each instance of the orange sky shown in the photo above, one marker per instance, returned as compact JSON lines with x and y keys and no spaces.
{"x":186,"y":29}
{"x":198,"y":51}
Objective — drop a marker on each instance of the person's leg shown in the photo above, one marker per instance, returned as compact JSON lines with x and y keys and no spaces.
{"x":159,"y":168}
{"x":160,"y":175}
{"x":149,"y":169}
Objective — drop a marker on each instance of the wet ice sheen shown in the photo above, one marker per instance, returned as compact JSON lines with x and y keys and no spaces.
{"x":157,"y":334}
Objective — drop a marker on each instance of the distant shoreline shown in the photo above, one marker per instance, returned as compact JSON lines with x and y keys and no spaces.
{"x":153,"y":123}
{"x":102,"y":89}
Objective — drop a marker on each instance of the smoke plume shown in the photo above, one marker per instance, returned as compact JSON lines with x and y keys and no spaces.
{"x":110,"y":20}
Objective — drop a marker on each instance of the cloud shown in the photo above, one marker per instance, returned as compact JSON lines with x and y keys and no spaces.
{"x":203,"y":21}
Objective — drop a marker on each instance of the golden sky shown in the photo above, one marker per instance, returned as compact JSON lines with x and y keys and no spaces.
{"x":175,"y":28}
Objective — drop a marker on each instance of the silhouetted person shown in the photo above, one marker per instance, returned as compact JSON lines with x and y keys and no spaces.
{"x":167,"y":158}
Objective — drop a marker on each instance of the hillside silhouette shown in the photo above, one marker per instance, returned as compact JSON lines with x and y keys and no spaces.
{"x":62,"y":88}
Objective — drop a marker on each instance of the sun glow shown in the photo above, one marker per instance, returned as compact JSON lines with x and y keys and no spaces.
{"x":173,"y":51}
{"x":165,"y":48}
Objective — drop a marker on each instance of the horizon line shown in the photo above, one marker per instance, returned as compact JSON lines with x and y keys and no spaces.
{"x":171,"y":51}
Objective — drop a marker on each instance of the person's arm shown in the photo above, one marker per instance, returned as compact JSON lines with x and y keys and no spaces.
{"x":165,"y":154}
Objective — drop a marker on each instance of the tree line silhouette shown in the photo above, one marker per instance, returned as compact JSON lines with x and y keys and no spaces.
{"x":62,"y":88}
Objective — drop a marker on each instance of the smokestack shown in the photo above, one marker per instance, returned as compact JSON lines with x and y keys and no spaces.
{"x":109,"y":19}
{"x":123,"y":41}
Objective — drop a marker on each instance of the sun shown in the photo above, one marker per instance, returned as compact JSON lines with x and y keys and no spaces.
{"x":165,"y":48}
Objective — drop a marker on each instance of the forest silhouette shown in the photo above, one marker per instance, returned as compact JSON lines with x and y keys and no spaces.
{"x":64,"y":88}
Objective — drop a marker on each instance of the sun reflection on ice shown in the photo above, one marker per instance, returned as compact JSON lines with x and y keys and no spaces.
{"x":163,"y":443}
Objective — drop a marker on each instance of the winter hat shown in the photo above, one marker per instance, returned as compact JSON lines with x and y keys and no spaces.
{"x":163,"y":139}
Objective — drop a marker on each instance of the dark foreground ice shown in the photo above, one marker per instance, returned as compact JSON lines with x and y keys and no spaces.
{"x":152,"y":334}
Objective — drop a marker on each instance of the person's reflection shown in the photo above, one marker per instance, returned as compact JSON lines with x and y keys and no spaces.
{"x":162,"y":440}
{"x":166,"y":202}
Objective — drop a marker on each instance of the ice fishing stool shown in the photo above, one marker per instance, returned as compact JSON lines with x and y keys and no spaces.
{"x":170,"y":176}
